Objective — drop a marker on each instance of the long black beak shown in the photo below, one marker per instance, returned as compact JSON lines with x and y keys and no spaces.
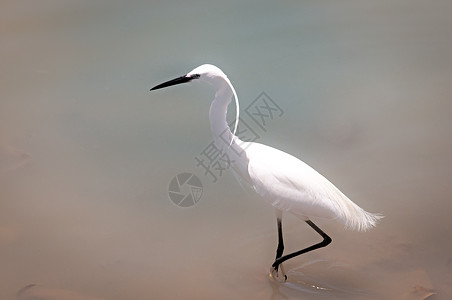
{"x":178,"y":80}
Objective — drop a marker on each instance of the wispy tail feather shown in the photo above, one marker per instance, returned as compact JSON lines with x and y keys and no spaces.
{"x":362,"y":220}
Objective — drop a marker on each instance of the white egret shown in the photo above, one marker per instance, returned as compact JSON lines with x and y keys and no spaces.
{"x":286,"y":182}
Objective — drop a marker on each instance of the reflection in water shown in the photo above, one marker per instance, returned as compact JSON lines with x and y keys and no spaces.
{"x":325,"y":279}
{"x":87,"y":153}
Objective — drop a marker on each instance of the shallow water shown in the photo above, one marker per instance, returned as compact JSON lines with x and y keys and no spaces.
{"x":87,"y":152}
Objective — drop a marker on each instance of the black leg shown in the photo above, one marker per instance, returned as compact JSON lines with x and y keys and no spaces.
{"x":325,"y":242}
{"x":280,"y":249}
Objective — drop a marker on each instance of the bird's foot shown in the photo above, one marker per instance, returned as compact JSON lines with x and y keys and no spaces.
{"x":277,"y":271}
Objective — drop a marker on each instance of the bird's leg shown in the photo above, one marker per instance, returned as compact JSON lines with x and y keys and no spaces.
{"x":280,"y":249}
{"x":325,"y":242}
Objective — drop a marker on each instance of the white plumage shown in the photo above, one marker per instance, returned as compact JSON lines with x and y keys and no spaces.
{"x":293,"y":186}
{"x":283,"y":180}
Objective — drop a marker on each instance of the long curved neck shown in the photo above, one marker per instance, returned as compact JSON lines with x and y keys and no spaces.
{"x":217,"y":115}
{"x":224,"y":139}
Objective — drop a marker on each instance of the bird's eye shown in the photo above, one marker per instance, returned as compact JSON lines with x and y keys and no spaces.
{"x":195,"y":76}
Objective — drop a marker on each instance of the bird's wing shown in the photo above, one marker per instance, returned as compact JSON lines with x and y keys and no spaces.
{"x":293,"y":186}
{"x":290,"y":184}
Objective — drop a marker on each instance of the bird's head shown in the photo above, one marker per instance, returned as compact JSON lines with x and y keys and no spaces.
{"x":212,"y":75}
{"x":207,"y":73}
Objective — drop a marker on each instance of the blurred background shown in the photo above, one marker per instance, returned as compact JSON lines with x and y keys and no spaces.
{"x":87,"y":152}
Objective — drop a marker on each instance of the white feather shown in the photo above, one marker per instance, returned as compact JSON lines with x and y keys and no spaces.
{"x":293,"y":186}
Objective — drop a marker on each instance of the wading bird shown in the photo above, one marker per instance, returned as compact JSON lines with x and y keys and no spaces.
{"x":286,"y":182}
